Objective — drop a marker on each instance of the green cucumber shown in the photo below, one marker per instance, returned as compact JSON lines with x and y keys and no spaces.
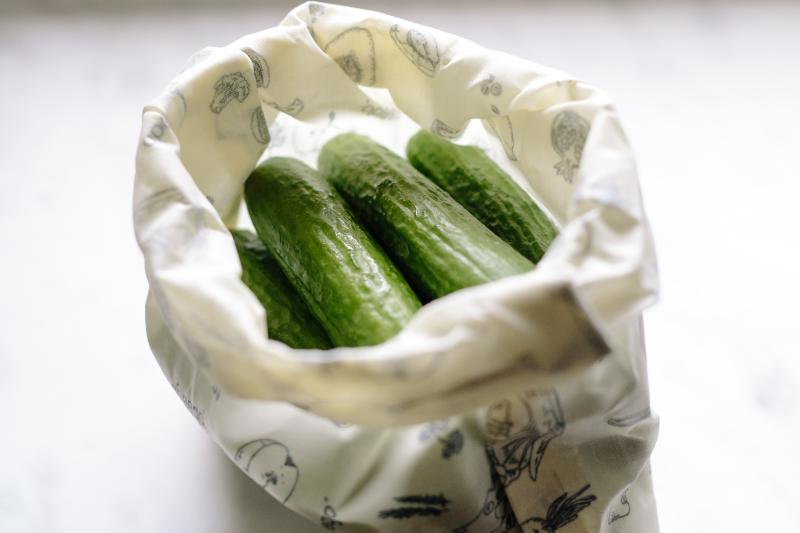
{"x":485,"y":190}
{"x":288,"y":318}
{"x":438,"y":244}
{"x":347,"y":281}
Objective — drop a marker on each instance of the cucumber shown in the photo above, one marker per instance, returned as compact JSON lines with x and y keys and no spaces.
{"x":288,"y":318}
{"x":485,"y":190}
{"x":438,"y":244}
{"x":347,"y":281}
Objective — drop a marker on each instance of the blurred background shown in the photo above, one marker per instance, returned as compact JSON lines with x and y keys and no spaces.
{"x":708,"y":93}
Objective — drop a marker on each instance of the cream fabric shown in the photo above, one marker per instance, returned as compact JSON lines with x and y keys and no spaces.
{"x":522,"y":401}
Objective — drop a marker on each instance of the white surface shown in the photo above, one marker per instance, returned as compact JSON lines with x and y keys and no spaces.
{"x":709,"y":99}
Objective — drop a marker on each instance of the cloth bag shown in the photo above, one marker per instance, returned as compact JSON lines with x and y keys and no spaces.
{"x":518,"y":405}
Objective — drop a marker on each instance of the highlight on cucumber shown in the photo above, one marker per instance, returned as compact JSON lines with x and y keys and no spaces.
{"x":346,"y":254}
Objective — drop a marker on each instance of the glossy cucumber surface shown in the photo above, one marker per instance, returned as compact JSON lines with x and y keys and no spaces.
{"x":485,"y":190}
{"x":344,"y":277}
{"x":288,"y":318}
{"x":437,"y":243}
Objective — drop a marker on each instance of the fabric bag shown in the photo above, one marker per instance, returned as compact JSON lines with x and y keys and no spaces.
{"x":518,"y":405}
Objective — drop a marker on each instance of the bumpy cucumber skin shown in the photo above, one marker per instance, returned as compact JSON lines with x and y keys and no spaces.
{"x":347,"y":281}
{"x":485,"y":190}
{"x":439,"y":245}
{"x":288,"y":318}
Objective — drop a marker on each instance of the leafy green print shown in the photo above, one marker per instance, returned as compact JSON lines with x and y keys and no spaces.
{"x":562,"y":511}
{"x":417,"y":505}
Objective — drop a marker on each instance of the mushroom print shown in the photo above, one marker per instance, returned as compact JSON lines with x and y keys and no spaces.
{"x":568,"y":135}
{"x":354,"y":51}
{"x":229,"y":87}
{"x":269,"y":463}
{"x":422,"y":50}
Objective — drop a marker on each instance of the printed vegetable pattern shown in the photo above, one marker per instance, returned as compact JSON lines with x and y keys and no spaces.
{"x":517,"y":450}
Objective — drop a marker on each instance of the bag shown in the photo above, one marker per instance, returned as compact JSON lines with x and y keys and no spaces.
{"x":518,"y":405}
